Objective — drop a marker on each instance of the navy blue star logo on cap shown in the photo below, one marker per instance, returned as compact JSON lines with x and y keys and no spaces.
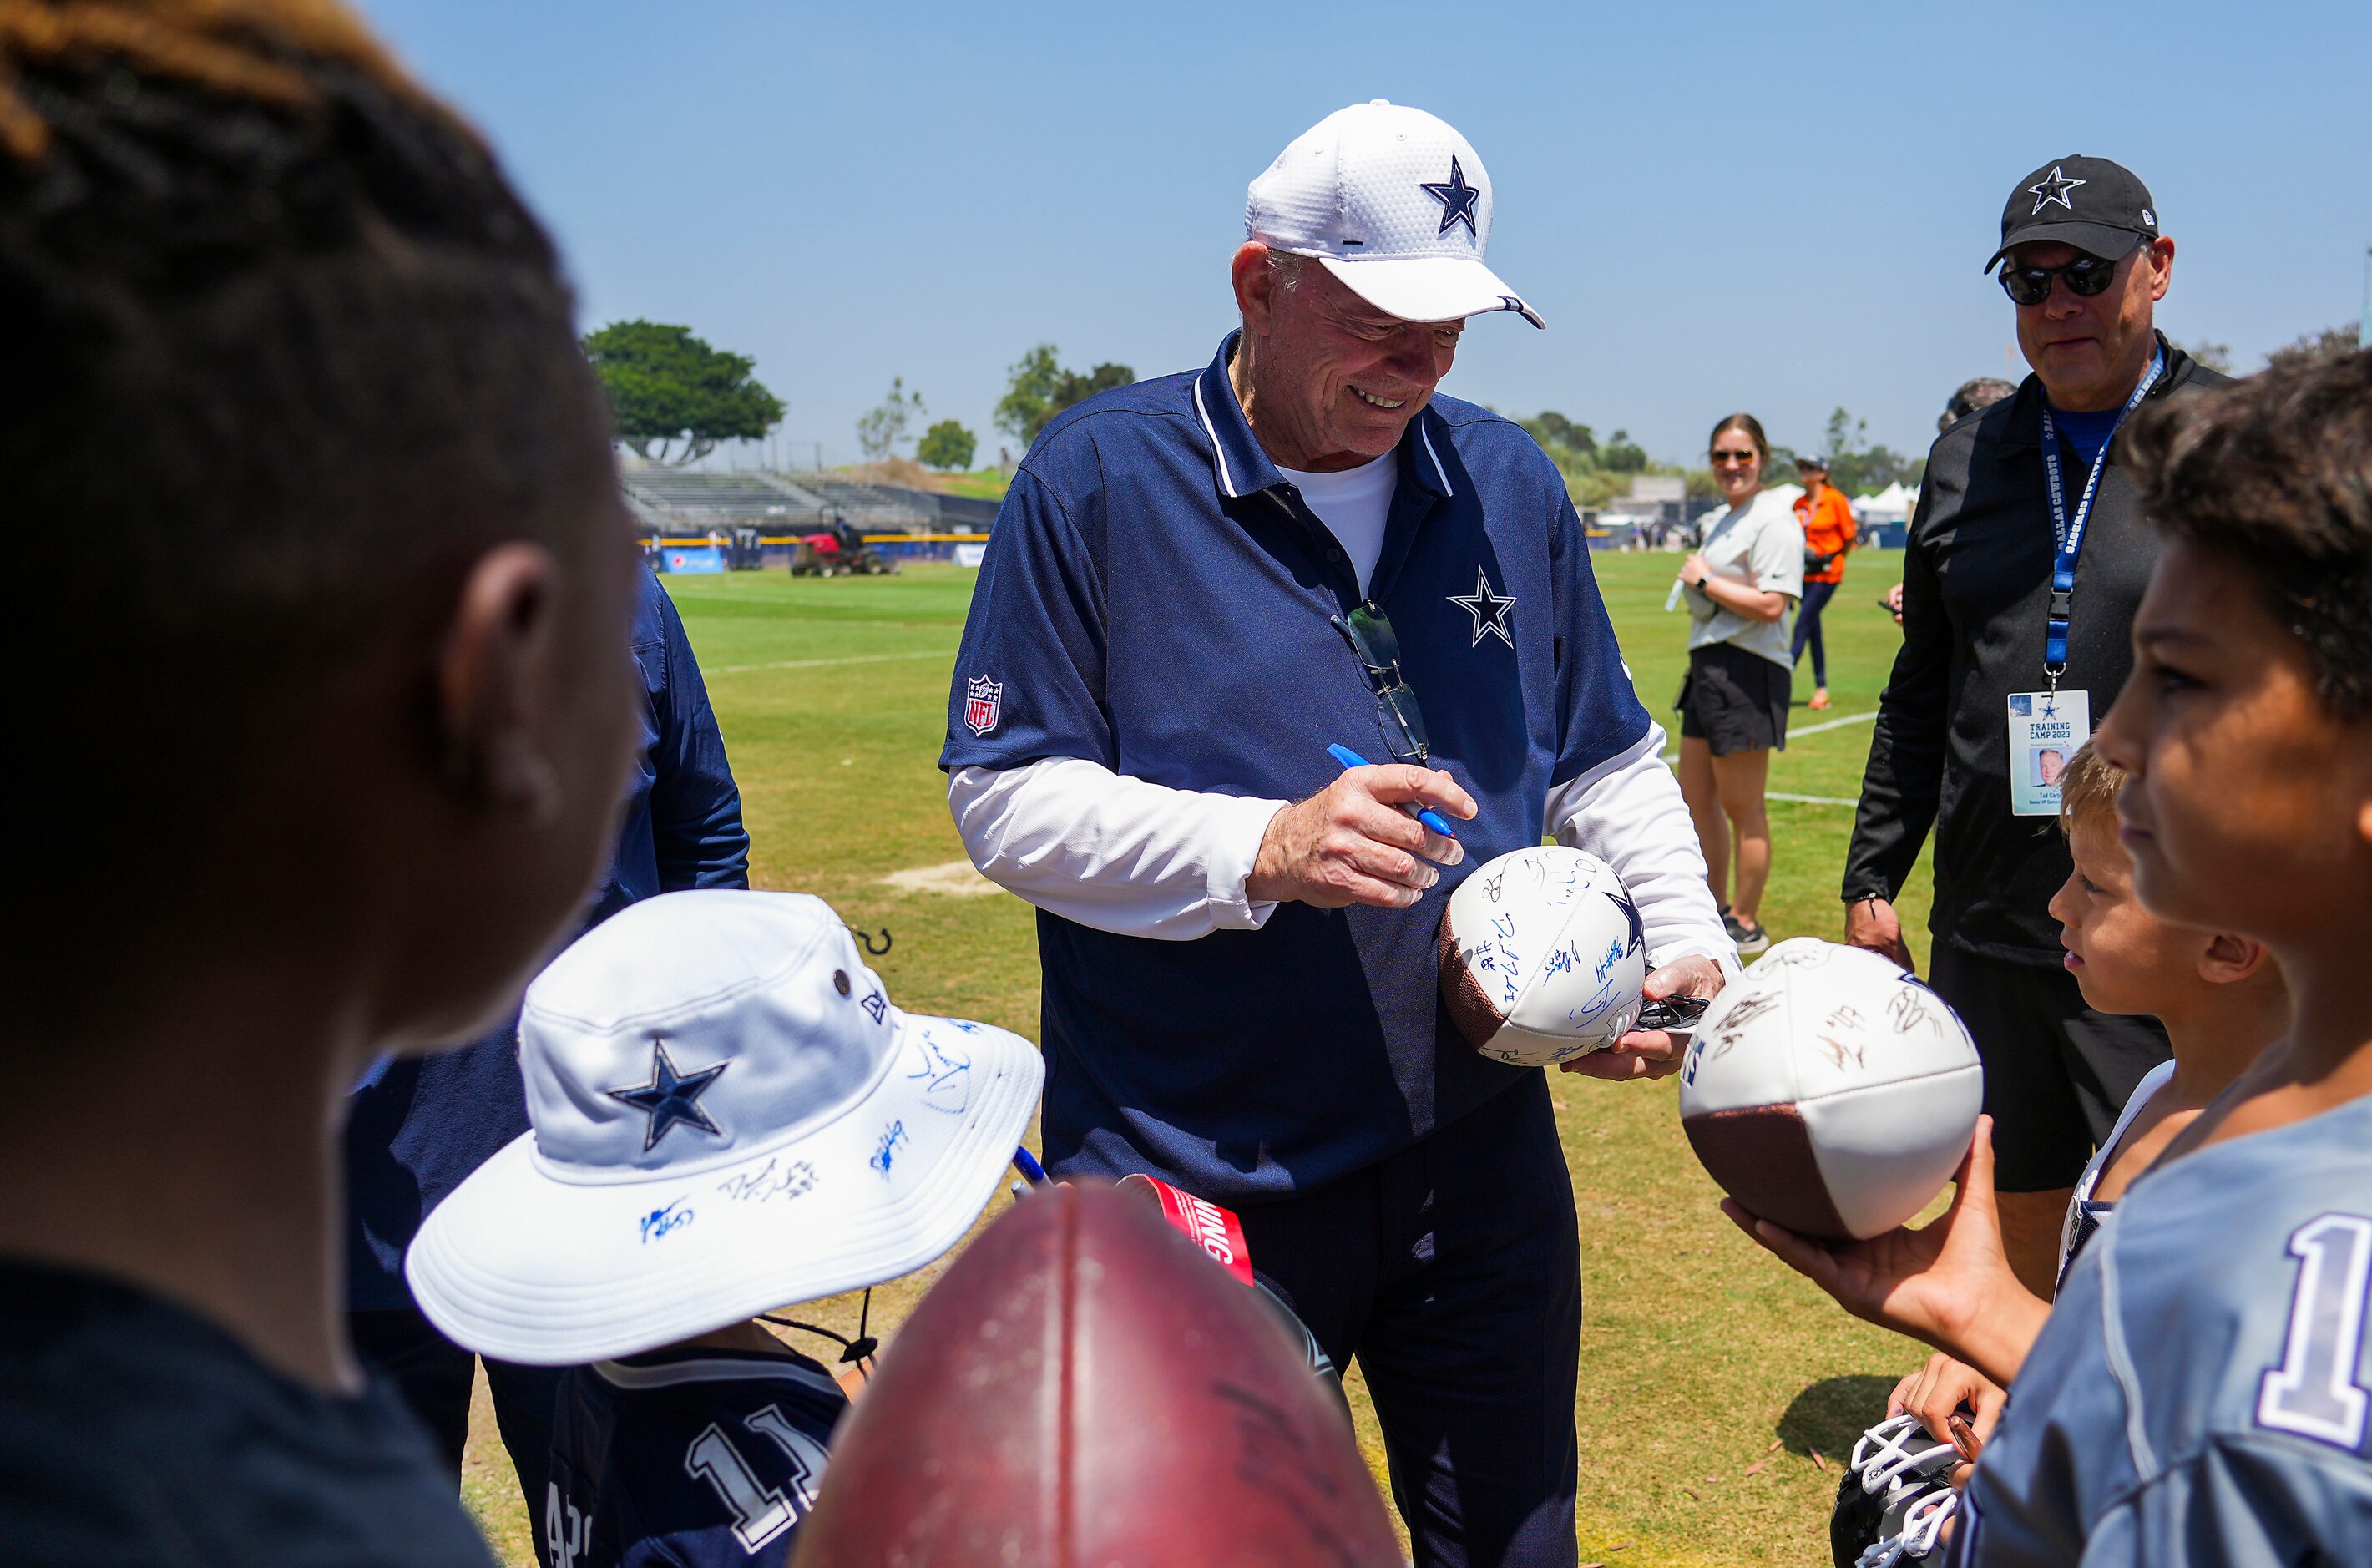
{"x":1489,"y":610}
{"x":668,"y":1098}
{"x":2053,"y":187}
{"x":1456,"y":199}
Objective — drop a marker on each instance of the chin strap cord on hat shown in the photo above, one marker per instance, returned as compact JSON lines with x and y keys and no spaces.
{"x":854,"y":1351}
{"x":861,"y":1348}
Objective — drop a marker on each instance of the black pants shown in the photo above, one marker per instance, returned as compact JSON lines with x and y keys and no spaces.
{"x":2056,"y":1072}
{"x":435,"y":1376}
{"x":1808,"y":629}
{"x":1452,"y":1272}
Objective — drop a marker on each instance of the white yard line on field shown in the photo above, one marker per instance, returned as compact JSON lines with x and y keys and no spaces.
{"x":818,"y":663}
{"x":1832,"y":724}
{"x":955,"y":877}
{"x":1797,"y":734}
{"x":843,"y":620}
{"x":1672,"y":760}
{"x":1783,"y":794}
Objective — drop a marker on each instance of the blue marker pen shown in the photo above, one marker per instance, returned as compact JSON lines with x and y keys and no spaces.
{"x":1427,"y":815}
{"x":1029,"y":1167}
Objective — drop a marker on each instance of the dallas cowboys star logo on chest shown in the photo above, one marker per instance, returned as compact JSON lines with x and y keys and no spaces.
{"x":1489,"y":610}
{"x":670,"y":1098}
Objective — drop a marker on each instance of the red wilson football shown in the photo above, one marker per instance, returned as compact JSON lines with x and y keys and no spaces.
{"x":1083,"y":1388}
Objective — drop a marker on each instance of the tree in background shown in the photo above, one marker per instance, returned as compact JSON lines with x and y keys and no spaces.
{"x":1596,"y":472}
{"x":2212,"y":357}
{"x":946,"y":445}
{"x":674,"y":397}
{"x":2315,"y":348}
{"x":1623,"y":455}
{"x":1028,"y":394}
{"x":1574,"y":449}
{"x":1038,"y":388}
{"x":1553,"y":429}
{"x":1778,"y":469}
{"x":1858,"y":469}
{"x":879,"y":430}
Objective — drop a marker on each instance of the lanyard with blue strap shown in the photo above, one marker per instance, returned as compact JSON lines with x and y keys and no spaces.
{"x":2070,"y":532}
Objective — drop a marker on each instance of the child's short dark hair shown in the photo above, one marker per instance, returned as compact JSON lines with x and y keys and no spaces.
{"x":286,"y":354}
{"x":2087,"y":789}
{"x":280,"y":334}
{"x":2275,"y":473}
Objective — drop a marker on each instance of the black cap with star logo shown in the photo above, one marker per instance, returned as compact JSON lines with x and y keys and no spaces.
{"x":2100,"y":207}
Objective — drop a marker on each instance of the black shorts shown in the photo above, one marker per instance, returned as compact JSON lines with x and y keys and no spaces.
{"x":2056,"y":1072}
{"x":1734,"y":701}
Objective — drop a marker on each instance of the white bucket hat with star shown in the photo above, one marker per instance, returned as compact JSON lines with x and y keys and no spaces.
{"x":1395,"y":203}
{"x":727,"y":1116}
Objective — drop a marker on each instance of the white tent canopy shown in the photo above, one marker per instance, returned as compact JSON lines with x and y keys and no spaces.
{"x":1892,"y":504}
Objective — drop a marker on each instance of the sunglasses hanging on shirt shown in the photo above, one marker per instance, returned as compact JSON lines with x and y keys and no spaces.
{"x":1378,"y":649}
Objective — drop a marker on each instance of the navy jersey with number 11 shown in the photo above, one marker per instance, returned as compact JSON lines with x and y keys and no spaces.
{"x":687,"y":1459}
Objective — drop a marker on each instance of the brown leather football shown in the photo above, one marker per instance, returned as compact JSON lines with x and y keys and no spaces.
{"x":1084,"y":1388}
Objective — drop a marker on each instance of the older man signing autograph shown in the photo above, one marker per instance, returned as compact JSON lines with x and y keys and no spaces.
{"x":1198,"y":585}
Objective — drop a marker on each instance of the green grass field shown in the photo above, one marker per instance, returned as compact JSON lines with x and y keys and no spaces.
{"x":1709,"y":1378}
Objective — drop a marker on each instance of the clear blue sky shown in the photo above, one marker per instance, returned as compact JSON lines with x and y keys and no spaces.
{"x":1715,"y":206}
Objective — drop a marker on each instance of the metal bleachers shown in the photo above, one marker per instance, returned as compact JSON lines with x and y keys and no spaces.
{"x":672,"y":501}
{"x":675,"y":502}
{"x":868,"y":506}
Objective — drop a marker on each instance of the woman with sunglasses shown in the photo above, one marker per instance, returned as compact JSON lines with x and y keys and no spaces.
{"x":1743,"y":582}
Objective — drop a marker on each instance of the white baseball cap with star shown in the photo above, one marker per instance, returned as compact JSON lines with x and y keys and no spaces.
{"x":1394,"y":202}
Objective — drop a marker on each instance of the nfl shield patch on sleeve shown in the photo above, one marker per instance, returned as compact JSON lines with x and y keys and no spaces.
{"x":983,"y":704}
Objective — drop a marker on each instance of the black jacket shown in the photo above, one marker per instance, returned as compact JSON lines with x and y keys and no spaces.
{"x":1976,"y":592}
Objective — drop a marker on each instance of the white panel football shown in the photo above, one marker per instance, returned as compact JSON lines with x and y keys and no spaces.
{"x":1543,"y":957}
{"x":1831,"y":1092}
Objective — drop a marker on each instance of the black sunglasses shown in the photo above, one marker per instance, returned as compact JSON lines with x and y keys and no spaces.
{"x":1398,"y":718}
{"x":2086,"y":276}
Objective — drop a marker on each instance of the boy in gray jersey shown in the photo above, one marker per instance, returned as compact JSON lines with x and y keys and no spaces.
{"x":2200,"y":1392}
{"x":2222,"y":1001}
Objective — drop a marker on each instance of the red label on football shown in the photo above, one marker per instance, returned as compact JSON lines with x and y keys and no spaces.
{"x":1214,"y":1229}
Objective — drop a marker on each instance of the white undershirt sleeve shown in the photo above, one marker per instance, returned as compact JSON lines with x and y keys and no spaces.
{"x":1628,"y":812}
{"x":1141,"y":859}
{"x":1111,"y":852}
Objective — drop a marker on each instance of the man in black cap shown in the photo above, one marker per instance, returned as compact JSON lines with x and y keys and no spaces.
{"x":2027,"y":557}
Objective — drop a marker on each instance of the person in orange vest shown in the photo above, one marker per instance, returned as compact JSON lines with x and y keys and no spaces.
{"x":1828,"y":522}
